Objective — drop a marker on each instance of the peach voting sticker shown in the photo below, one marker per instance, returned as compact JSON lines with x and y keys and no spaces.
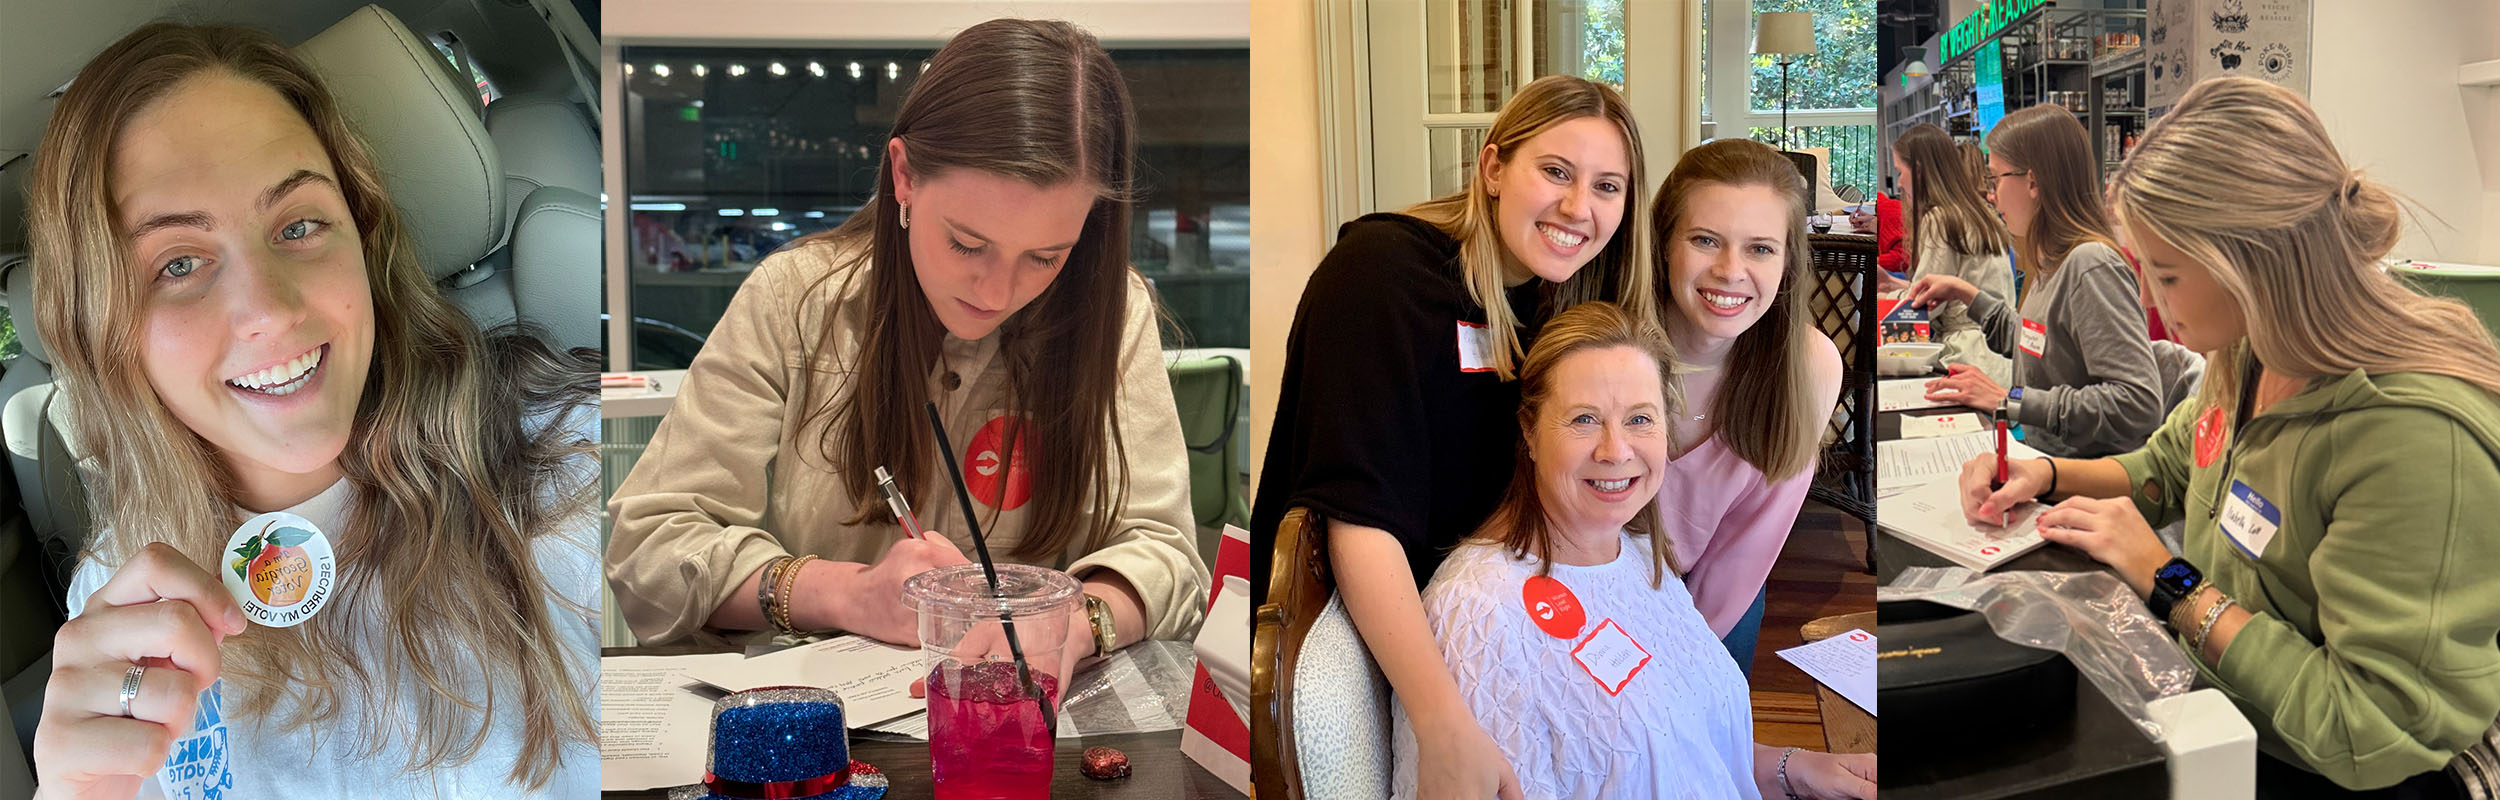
{"x":1610,"y":656}
{"x":280,"y":569}
{"x":1553,"y":607}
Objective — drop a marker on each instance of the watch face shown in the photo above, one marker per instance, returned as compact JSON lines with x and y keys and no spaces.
{"x":2178,"y":573}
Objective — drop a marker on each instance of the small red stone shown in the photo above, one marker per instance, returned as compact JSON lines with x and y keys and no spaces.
{"x":1103,"y":763}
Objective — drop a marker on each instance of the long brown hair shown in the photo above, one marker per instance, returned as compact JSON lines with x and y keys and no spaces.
{"x":1766,"y":409}
{"x":2294,"y":235}
{"x":1467,"y":215}
{"x":1040,"y":102}
{"x":1946,"y":203}
{"x":2047,"y":141}
{"x":1519,"y":524}
{"x":451,"y":491}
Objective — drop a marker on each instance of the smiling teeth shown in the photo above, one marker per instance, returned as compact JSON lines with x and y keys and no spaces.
{"x":282,"y":379}
{"x":1616,"y":485}
{"x":1560,"y":237}
{"x":1722,"y":301}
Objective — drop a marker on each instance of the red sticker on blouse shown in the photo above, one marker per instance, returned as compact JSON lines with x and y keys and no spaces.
{"x":1553,"y":607}
{"x":2210,"y":431}
{"x":994,"y":481}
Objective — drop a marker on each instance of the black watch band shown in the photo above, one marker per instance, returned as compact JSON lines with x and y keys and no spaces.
{"x":2171,"y":584}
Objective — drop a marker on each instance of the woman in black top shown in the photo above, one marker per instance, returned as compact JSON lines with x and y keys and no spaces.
{"x":1397,"y":421}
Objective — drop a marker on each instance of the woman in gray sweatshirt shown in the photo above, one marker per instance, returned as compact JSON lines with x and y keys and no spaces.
{"x":2088,"y":380}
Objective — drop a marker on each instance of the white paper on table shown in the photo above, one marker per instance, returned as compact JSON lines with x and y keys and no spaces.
{"x":1905,"y":394}
{"x":1930,"y":515}
{"x":873,"y":678}
{"x":1845,"y":662}
{"x":1942,"y":425}
{"x":1903,"y":464}
{"x":653,"y":733}
{"x":913,"y":725}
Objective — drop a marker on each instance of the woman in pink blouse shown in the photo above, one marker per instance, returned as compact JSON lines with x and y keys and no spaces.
{"x":1757,"y":380}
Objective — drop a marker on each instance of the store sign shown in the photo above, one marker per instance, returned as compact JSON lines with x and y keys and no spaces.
{"x":1985,"y":22}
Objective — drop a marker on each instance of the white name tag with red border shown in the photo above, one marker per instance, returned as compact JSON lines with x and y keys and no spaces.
{"x":1610,"y":657}
{"x":2035,"y":340}
{"x":1475,"y":347}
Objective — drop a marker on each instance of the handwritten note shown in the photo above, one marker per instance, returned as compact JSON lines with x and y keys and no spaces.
{"x":1845,"y":662}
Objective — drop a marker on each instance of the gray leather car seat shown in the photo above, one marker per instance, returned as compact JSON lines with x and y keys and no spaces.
{"x":537,"y":259}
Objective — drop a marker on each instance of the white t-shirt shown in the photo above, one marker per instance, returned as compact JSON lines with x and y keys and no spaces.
{"x":1681,"y":726}
{"x":262,"y":761}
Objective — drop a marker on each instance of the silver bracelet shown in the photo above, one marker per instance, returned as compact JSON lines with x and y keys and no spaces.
{"x":1792,"y":793}
{"x":2206,"y":629}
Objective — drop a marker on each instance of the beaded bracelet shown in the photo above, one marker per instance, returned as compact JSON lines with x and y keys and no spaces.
{"x":781,"y":594}
{"x":1792,"y":793}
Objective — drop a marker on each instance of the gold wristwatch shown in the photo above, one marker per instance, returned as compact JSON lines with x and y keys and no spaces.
{"x":1106,"y":637}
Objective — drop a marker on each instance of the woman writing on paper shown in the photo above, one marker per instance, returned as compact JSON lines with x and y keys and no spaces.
{"x":2339,"y":578}
{"x":1760,"y":381}
{"x":990,"y":275}
{"x":1955,"y":234}
{"x":1395,"y":421}
{"x":2086,"y":381}
{"x":1565,"y":626}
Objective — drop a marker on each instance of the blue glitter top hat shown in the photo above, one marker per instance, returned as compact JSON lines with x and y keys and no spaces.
{"x":782,"y":743}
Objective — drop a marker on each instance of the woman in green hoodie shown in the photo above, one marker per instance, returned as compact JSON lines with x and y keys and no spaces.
{"x":2339,"y":474}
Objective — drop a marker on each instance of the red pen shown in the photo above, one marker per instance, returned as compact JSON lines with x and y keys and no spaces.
{"x":2003,"y":472}
{"x":894,"y":500}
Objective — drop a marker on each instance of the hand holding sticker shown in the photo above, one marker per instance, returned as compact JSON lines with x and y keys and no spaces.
{"x":280,"y":569}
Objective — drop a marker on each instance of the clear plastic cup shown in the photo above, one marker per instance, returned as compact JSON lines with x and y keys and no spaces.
{"x":986,"y":736}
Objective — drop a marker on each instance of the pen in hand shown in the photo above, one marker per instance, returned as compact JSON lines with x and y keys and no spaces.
{"x":901,"y":507}
{"x":2003,"y":472}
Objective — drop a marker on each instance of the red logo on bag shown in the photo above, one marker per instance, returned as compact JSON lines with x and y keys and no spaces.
{"x":988,"y":473}
{"x":1553,"y":607}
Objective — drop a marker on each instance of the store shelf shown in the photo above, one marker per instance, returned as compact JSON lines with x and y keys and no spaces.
{"x":2127,"y":61}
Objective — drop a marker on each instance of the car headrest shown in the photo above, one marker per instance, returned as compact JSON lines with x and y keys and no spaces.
{"x":425,"y":131}
{"x":17,"y":279}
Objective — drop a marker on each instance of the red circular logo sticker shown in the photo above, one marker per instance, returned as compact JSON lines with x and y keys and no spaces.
{"x":1989,"y":550}
{"x":2210,"y":430}
{"x":1553,"y":607}
{"x":994,"y":481}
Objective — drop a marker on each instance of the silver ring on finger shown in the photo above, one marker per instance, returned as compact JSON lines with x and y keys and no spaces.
{"x":130,"y":685}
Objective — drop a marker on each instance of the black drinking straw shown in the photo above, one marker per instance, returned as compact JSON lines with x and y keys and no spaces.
{"x":1024,"y":673}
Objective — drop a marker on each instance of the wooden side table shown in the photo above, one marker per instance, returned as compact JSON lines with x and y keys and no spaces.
{"x":1846,"y":727}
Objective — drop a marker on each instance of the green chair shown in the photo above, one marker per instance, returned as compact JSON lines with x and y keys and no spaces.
{"x":2477,"y":286}
{"x":1208,"y":394}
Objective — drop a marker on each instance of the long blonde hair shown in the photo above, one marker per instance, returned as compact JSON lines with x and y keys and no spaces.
{"x":2047,"y":141}
{"x":1467,"y":215}
{"x":2294,"y":235}
{"x":1766,"y":408}
{"x":1519,"y":524}
{"x":450,"y":490}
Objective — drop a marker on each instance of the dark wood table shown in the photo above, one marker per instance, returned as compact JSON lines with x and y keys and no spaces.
{"x":1157,"y":769}
{"x":2095,"y":753}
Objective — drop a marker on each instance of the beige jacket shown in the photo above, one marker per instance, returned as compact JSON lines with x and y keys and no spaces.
{"x":730,"y":480}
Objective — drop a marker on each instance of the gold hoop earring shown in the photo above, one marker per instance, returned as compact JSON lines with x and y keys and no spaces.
{"x":906,"y":207}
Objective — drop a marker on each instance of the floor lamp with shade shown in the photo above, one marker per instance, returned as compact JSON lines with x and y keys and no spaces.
{"x":1784,"y":35}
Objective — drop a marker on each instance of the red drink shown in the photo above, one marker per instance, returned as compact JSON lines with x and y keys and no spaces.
{"x":986,"y":739}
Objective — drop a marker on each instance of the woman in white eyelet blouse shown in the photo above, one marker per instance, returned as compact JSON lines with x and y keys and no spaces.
{"x":1568,"y":631}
